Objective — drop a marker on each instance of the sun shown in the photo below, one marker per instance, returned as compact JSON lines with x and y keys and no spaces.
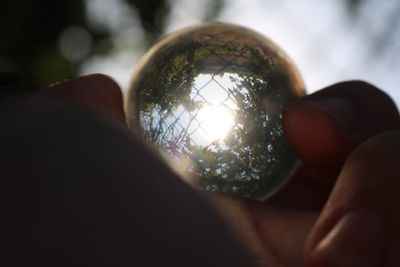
{"x":215,"y":121}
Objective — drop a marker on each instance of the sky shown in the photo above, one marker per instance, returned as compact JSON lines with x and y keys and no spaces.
{"x":325,"y":44}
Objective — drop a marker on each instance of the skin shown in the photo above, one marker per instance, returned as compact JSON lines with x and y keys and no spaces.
{"x":346,"y":135}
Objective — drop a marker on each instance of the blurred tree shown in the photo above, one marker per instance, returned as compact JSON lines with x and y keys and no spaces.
{"x":152,"y":15}
{"x":30,"y":32}
{"x":385,"y":36}
{"x":354,"y":5}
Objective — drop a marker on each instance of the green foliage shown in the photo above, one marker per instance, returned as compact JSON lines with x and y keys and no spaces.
{"x":30,"y":30}
{"x":251,"y":156}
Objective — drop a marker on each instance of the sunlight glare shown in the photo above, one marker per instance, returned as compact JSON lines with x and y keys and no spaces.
{"x":215,"y":121}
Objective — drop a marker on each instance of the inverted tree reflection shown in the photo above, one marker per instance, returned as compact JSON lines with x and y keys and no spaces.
{"x":248,"y":96}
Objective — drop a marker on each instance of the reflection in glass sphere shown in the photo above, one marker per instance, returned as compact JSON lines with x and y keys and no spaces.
{"x":211,"y":99}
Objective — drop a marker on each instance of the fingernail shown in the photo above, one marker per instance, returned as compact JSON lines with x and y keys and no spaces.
{"x":356,"y":240}
{"x":341,"y":109}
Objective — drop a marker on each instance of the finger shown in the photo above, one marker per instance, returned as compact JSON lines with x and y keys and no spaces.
{"x":96,"y":91}
{"x":324,"y":127}
{"x":359,"y":225}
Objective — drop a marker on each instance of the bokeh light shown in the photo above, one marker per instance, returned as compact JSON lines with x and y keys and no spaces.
{"x":75,"y":43}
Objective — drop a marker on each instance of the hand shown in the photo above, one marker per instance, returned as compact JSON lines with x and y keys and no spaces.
{"x":325,"y":129}
{"x":337,"y":141}
{"x":341,"y":135}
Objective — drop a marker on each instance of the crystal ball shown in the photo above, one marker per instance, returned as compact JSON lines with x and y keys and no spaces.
{"x":210,"y":98}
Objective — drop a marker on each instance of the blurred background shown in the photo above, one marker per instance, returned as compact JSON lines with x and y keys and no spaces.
{"x":43,"y":41}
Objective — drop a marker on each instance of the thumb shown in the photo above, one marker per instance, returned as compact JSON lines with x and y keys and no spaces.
{"x":324,"y":127}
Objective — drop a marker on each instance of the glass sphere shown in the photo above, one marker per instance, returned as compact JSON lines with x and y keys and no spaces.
{"x":211,"y":98}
